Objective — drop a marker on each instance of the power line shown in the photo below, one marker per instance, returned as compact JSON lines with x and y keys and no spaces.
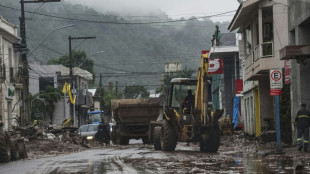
{"x":126,"y":23}
{"x":129,"y":16}
{"x":155,"y":25}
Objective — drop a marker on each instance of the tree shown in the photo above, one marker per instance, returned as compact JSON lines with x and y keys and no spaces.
{"x":78,"y":57}
{"x":36,"y":105}
{"x":136,"y":91}
{"x":51,"y":95}
{"x":107,"y":97}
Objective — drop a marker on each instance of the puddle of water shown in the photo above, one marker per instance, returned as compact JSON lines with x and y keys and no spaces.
{"x":253,"y":163}
{"x":136,"y":160}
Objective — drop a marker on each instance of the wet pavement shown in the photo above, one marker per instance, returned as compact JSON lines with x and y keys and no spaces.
{"x":139,"y":158}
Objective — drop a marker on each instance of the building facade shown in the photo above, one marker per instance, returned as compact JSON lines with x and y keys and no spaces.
{"x":41,"y":76}
{"x":11,"y":106}
{"x":223,"y":84}
{"x":173,"y":67}
{"x":262,"y":24}
{"x":297,"y":54}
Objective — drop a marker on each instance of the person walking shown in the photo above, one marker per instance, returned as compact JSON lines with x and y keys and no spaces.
{"x":302,"y":121}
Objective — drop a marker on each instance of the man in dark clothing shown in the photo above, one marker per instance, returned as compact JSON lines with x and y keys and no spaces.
{"x":303,"y":122}
{"x":189,"y":101}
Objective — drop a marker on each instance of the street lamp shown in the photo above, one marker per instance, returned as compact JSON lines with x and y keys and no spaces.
{"x":114,"y":76}
{"x":49,"y":35}
{"x":128,"y":84}
{"x":88,"y":58}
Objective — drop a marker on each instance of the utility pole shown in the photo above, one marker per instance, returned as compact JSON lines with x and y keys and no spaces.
{"x":101,"y":93}
{"x":72,"y":106}
{"x":116,"y":86}
{"x":24,"y":56}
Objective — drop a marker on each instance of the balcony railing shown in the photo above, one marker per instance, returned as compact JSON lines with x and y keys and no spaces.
{"x":256,"y":52}
{"x":260,"y":51}
{"x":249,"y":60}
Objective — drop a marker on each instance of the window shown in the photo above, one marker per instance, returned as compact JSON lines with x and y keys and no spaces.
{"x":267,"y":32}
{"x":95,"y":117}
{"x":179,"y":93}
{"x":45,"y":81}
{"x":248,"y":37}
{"x":11,"y":70}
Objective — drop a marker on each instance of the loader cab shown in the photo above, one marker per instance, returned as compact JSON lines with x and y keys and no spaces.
{"x":95,"y":117}
{"x":178,"y":91}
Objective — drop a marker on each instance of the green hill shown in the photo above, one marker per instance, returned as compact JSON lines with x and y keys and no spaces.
{"x":140,"y":50}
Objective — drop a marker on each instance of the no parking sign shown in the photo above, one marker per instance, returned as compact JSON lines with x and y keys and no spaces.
{"x":276,"y":82}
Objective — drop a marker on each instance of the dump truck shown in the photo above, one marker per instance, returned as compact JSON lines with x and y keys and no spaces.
{"x":132,"y":119}
{"x":11,"y":147}
{"x":187,"y":117}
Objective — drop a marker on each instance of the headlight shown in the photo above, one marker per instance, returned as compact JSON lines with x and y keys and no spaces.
{"x":89,"y":137}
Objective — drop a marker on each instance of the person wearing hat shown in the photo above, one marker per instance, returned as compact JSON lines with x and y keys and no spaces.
{"x":302,"y":121}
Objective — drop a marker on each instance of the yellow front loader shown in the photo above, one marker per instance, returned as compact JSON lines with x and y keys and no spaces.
{"x":191,"y":123}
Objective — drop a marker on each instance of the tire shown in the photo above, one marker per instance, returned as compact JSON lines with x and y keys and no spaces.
{"x":15,"y":153}
{"x":156,"y":138}
{"x":113,"y":137}
{"x":107,"y":137}
{"x":5,"y":147}
{"x":213,"y":142}
{"x":123,"y":140}
{"x":107,"y":141}
{"x":145,"y":140}
{"x":168,"y":138}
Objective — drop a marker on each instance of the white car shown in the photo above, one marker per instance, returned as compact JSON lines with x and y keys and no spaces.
{"x":88,"y":132}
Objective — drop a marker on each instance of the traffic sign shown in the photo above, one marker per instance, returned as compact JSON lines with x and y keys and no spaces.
{"x":274,"y":92}
{"x":276,"y":81}
{"x":276,"y":86}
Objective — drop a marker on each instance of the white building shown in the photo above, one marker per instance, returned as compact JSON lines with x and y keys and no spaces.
{"x":173,"y":66}
{"x":263,"y":25}
{"x":10,"y":76}
{"x":56,"y":76}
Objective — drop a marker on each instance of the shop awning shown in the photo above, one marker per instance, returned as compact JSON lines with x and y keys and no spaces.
{"x":295,"y":51}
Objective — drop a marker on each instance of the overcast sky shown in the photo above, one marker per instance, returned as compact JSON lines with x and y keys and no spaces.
{"x":174,"y":8}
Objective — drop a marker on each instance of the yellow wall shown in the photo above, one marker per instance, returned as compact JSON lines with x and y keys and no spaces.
{"x":257,"y":113}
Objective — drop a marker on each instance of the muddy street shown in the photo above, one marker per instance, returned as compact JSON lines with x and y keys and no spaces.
{"x":139,"y":158}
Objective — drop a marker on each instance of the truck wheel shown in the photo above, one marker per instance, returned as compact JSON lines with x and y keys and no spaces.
{"x":168,"y":138}
{"x":123,"y":140}
{"x":113,"y":137}
{"x":107,"y":141}
{"x":5,"y":147}
{"x":106,"y":138}
{"x":145,"y":140}
{"x":156,"y":138}
{"x":15,"y":151}
{"x":212,"y":143}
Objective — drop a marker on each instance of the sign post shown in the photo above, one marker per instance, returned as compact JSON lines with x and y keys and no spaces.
{"x":276,"y":85}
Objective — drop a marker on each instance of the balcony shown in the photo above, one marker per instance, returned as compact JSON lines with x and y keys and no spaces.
{"x":258,"y":61}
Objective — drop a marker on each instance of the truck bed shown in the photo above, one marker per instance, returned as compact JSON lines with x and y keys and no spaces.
{"x":135,"y":111}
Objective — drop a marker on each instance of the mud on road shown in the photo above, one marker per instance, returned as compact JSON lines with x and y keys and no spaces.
{"x":236,"y":155}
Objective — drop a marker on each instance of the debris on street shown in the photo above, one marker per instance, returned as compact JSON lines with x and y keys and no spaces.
{"x":44,"y":140}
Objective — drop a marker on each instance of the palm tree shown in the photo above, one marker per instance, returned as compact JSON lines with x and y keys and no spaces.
{"x":51,"y":95}
{"x":37,"y":105}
